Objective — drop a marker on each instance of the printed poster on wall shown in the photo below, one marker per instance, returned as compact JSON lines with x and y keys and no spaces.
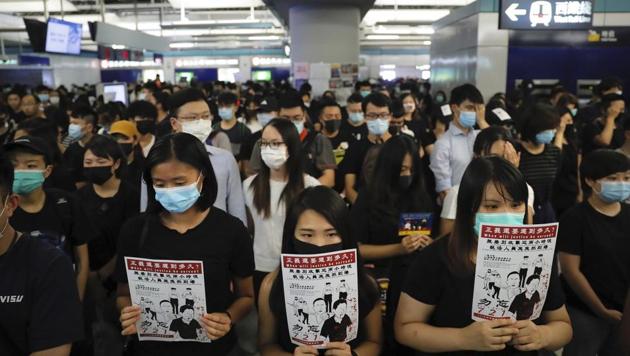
{"x":301,"y":70}
{"x":321,"y":296}
{"x":513,"y":272}
{"x":172,"y":298}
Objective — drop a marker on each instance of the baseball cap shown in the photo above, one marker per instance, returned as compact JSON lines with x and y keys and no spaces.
{"x":268,"y":104}
{"x":124,"y":127}
{"x":31,"y":143}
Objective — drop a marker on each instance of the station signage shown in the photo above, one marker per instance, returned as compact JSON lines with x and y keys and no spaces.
{"x":546,"y":14}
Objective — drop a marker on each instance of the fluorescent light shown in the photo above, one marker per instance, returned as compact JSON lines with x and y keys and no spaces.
{"x":214,"y":4}
{"x":424,"y":67}
{"x":263,"y":38}
{"x":422,"y":2}
{"x":417,"y":16}
{"x":175,"y":33}
{"x":382,"y":37}
{"x":117,"y":46}
{"x":35,"y":6}
{"x":205,"y":62}
{"x":246,"y":31}
{"x":182,"y":45}
{"x":388,"y":66}
{"x":426,"y":43}
{"x":424,"y":30}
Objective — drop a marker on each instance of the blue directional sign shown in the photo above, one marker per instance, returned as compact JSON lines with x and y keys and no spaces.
{"x":546,"y":14}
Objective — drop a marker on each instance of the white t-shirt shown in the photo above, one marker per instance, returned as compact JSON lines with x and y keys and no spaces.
{"x":268,"y":231}
{"x":449,"y":208}
{"x":147,"y":148}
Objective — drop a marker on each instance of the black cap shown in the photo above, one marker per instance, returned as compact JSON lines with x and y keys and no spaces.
{"x":35,"y":144}
{"x":267,"y":104}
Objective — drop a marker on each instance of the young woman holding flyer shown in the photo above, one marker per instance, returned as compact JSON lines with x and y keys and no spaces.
{"x":434,"y":312}
{"x":317,"y":223}
{"x":182,"y":225}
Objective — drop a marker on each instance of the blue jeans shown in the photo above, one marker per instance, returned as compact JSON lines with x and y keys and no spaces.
{"x":592,"y":335}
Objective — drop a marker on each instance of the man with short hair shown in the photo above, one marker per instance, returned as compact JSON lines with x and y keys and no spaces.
{"x":30,"y":107}
{"x":237,"y":131}
{"x":39,"y":303}
{"x":377,"y":108}
{"x":454,"y":149}
{"x":144,"y":114}
{"x":81,"y":131}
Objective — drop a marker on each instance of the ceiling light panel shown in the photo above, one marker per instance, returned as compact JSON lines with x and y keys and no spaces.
{"x":215,"y":4}
{"x":419,"y":16}
{"x":422,"y":2}
{"x":19,"y":6}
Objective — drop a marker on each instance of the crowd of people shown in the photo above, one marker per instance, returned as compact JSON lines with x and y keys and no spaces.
{"x":235,"y":175}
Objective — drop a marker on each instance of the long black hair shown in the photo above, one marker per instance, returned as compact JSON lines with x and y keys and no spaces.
{"x":260,"y":185}
{"x":481,"y":171}
{"x":332,"y":207}
{"x":386,"y":199}
{"x":188,"y":149}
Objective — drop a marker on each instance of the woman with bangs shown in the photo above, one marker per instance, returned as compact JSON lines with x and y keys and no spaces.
{"x":435,"y":306}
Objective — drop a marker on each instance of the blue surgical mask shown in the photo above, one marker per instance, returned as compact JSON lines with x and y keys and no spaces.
{"x":225,"y":113}
{"x":468,"y":119}
{"x":299,"y":125}
{"x":545,"y":137}
{"x":498,"y":219}
{"x":356,"y":117}
{"x":378,"y":127}
{"x":26,"y":181}
{"x":43,"y":97}
{"x":178,"y":199}
{"x":365,"y":93}
{"x":75,"y":132}
{"x":613,"y":192}
{"x":264,"y":118}
{"x":574,"y":112}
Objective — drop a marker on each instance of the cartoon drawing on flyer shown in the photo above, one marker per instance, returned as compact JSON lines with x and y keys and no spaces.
{"x":415,"y":224}
{"x":321,"y":297}
{"x":513,"y":271}
{"x":171,"y":296}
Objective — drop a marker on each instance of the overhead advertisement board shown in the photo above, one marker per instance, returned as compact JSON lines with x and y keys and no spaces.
{"x":546,"y":14}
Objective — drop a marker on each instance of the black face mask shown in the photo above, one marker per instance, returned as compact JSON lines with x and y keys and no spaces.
{"x":97,"y":175}
{"x":127,"y":148}
{"x":304,"y":248}
{"x":332,"y":125}
{"x":145,"y":126}
{"x":404,"y":182}
{"x":394,"y":130}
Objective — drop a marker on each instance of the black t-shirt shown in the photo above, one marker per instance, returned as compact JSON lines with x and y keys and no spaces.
{"x":163,"y":128}
{"x":73,"y":160}
{"x":185,"y":331}
{"x":595,"y":128}
{"x":133,"y":172}
{"x":603,"y":244}
{"x":358,"y":132}
{"x":354,"y":159}
{"x":431,"y":281}
{"x":421,"y":130}
{"x":60,"y":178}
{"x":61,"y":222}
{"x":220,"y":241}
{"x":39,"y":302}
{"x":107,"y":216}
{"x":340,"y":145}
{"x":565,"y":187}
{"x":248,"y":146}
{"x":540,"y":171}
{"x":335,"y":331}
{"x":238,"y":135}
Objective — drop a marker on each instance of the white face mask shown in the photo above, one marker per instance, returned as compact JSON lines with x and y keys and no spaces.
{"x":274,"y":158}
{"x":54,"y":100}
{"x":201,"y":129}
{"x":409,"y":107}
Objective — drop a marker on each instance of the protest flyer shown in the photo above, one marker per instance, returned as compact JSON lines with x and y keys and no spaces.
{"x":172,"y":298}
{"x":513,"y":271}
{"x":415,"y":224}
{"x":321,"y":296}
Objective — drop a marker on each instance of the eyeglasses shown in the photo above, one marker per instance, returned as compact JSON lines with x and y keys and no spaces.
{"x":293,"y":118}
{"x":374,"y":116}
{"x":193,"y":118}
{"x":273,"y":144}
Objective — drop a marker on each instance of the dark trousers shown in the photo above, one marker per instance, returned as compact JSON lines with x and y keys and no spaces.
{"x":175,"y":305}
{"x":328,"y":301}
{"x":522,"y":277}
